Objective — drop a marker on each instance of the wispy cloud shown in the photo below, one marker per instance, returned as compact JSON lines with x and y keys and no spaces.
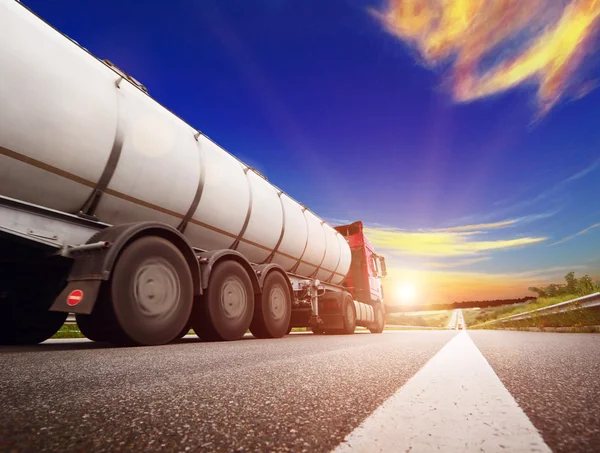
{"x":558,"y":188}
{"x":440,"y":243}
{"x":582,"y":173}
{"x":480,"y":226}
{"x":585,"y":230}
{"x":461,"y":263}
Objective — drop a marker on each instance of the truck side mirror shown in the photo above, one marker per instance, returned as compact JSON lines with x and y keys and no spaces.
{"x":382,"y":265}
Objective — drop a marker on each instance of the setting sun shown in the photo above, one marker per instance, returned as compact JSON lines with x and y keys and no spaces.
{"x":407,"y":293}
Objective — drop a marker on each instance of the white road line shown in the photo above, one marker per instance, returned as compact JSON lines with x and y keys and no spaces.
{"x":453,"y":320}
{"x":455,"y":403}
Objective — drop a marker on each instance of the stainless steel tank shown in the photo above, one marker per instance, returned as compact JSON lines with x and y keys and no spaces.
{"x":71,"y":126}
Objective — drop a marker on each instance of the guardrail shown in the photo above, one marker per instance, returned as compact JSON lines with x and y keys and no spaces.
{"x":589,"y":301}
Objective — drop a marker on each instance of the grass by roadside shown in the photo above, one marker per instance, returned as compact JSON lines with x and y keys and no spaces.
{"x":572,"y":320}
{"x":575,"y":319}
{"x":69,"y":331}
{"x":572,"y":329}
{"x":478,"y":316}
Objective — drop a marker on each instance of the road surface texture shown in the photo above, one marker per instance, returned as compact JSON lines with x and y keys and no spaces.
{"x":555,"y":378}
{"x":302,"y":392}
{"x":416,"y":391}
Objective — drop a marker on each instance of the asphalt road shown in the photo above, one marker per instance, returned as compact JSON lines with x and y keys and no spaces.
{"x":555,"y":378}
{"x":300,"y":393}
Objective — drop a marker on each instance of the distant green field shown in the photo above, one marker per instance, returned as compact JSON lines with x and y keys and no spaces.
{"x":438,"y":319}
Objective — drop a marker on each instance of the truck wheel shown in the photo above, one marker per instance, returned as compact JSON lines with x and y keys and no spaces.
{"x":226,"y":309}
{"x":151,"y":292}
{"x":26,"y":294}
{"x":100,"y":324}
{"x":348,"y":315}
{"x":90,"y":328}
{"x":272,"y":317}
{"x":30,"y":327}
{"x":379,"y":321}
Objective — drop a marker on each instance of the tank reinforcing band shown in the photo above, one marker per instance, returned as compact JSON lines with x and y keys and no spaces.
{"x":324,"y":253}
{"x":201,"y":181}
{"x":91,"y":204}
{"x":337,"y":233}
{"x":295,"y":268}
{"x":239,"y":237}
{"x":272,"y":254}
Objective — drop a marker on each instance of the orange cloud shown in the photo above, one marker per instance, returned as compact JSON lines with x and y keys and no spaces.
{"x":557,"y":36}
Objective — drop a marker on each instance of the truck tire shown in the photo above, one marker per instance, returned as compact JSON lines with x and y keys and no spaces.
{"x":151,"y":292}
{"x":379,"y":324}
{"x":27,"y":292}
{"x":101,"y":325}
{"x":348,"y":315}
{"x":272,"y":317}
{"x":31,"y":327}
{"x":225,"y":311}
{"x":91,"y":329}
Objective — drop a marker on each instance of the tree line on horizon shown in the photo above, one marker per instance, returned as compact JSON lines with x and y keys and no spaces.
{"x":453,"y":305}
{"x":574,"y":286}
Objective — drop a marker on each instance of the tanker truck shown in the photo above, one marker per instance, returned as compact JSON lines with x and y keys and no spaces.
{"x":114,"y":209}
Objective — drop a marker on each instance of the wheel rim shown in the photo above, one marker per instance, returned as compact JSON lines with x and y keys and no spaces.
{"x":234,"y":302}
{"x":156,"y":288}
{"x":277,"y":303}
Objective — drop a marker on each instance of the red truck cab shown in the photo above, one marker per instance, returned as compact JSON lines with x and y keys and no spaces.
{"x":367,"y":268}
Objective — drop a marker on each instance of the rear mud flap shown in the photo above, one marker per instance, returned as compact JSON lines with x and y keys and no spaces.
{"x":78,"y":297}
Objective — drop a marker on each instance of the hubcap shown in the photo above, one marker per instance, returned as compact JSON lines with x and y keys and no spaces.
{"x":277,"y":303}
{"x":233,"y":298}
{"x":156,"y":288}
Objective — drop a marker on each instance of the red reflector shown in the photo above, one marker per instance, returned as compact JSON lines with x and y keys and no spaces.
{"x":74,"y":297}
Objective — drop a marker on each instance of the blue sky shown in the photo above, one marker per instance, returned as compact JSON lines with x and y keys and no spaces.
{"x":347,"y":117}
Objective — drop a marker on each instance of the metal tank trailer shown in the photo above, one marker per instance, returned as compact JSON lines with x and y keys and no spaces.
{"x":135,"y":220}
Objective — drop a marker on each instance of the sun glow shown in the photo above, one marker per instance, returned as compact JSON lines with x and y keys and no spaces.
{"x":407,"y":293}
